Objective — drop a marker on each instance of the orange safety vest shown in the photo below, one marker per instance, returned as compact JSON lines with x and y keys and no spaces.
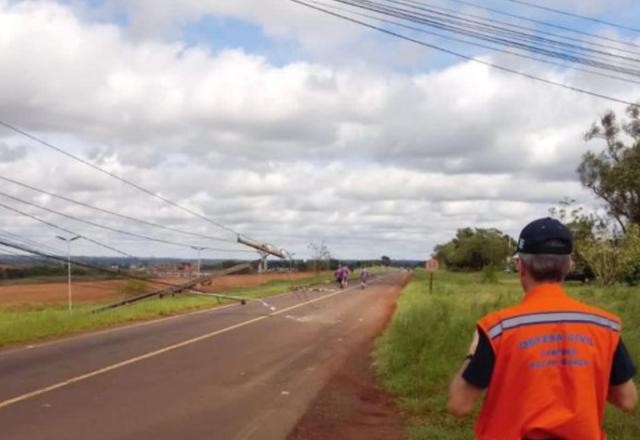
{"x":553,"y":359}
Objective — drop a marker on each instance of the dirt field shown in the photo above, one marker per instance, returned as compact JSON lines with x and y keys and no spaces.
{"x":110,"y":290}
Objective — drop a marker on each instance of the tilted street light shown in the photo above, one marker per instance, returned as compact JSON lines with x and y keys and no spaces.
{"x":68,"y":240}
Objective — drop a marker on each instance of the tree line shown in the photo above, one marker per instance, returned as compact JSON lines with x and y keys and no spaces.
{"x":607,"y":244}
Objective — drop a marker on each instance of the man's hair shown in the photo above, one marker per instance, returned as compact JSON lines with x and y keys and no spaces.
{"x":547,"y":267}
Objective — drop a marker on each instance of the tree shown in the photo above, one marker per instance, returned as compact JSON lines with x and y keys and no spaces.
{"x":386,"y":261}
{"x":609,"y":254}
{"x":614,"y":174}
{"x":320,"y":254}
{"x":613,"y":259}
{"x":475,"y":249}
{"x":583,"y":227}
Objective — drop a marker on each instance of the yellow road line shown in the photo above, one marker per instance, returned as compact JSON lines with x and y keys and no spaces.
{"x":151,"y":354}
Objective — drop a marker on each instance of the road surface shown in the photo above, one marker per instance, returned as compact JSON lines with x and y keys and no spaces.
{"x":238,"y":372}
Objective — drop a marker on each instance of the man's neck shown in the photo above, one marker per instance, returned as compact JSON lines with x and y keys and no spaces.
{"x":531,"y":285}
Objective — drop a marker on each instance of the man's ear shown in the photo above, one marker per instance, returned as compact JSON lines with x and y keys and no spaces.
{"x":521,"y":267}
{"x":572,"y":266}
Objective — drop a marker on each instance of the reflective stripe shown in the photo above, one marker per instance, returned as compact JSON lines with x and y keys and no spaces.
{"x":552,"y":317}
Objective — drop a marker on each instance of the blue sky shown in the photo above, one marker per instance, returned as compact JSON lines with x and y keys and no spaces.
{"x":225,"y":31}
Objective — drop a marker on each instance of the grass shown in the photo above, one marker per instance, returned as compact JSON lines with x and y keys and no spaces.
{"x":430,"y":333}
{"x":21,"y":324}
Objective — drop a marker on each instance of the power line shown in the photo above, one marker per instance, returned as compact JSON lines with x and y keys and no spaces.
{"x":494,"y":34}
{"x":94,"y":284}
{"x":527,"y":28}
{"x":503,"y":29}
{"x":106,"y":211}
{"x":118,"y":273}
{"x":544,"y":23}
{"x":60,"y":228}
{"x":571,"y":14}
{"x":6,"y":252}
{"x":121,"y":179}
{"x":78,"y":263}
{"x":466,"y":57}
{"x":115,"y":176}
{"x":484,"y":46}
{"x":109,"y":228}
{"x":32,"y":243}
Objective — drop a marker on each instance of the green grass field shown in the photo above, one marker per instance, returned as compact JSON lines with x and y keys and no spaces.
{"x":33,"y":323}
{"x":429,"y":335}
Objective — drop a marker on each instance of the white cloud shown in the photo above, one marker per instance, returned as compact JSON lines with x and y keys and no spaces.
{"x":373,"y":161}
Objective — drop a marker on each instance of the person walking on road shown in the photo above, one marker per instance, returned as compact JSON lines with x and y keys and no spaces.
{"x":364,"y":277}
{"x":550,"y":363}
{"x":342,"y":276}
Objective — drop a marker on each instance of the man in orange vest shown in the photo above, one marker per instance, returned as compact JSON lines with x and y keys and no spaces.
{"x":549,"y":363}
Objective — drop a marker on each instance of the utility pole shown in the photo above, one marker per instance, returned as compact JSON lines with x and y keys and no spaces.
{"x":199,"y":249}
{"x":68,"y":240}
{"x":264,"y":250}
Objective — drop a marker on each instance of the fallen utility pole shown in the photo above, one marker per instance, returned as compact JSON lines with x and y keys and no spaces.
{"x":178,"y":288}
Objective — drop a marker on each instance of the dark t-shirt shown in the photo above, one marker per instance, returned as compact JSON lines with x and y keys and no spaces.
{"x":478,"y":372}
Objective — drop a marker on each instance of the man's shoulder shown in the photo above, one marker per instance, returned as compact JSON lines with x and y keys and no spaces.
{"x":593,"y":310}
{"x":494,"y":318}
{"x":490,"y":320}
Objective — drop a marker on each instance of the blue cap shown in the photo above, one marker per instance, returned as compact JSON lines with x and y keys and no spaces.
{"x":545,"y":236}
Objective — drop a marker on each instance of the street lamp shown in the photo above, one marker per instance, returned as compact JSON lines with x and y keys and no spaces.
{"x":199,"y":249}
{"x":68,"y":240}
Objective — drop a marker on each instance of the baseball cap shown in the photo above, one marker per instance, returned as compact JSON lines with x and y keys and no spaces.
{"x":545,"y":236}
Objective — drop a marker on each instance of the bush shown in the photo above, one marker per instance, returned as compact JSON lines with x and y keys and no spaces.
{"x":490,"y":274}
{"x":613,"y":259}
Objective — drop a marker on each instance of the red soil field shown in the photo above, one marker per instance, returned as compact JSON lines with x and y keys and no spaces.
{"x":112,"y":290}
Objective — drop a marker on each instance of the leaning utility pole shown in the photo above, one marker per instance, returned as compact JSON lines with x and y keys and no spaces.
{"x":264,"y":250}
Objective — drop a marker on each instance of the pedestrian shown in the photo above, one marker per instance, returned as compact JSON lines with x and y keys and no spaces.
{"x":549,"y":363}
{"x":341,"y":274}
{"x":364,"y":276}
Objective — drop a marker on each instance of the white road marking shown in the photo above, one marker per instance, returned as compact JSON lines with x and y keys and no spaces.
{"x":154,"y":353}
{"x":132,"y":326}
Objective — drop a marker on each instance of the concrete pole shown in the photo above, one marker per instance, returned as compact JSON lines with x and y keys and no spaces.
{"x":68,"y":241}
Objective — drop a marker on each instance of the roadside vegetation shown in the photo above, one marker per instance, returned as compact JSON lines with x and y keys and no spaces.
{"x":427,"y":340}
{"x":29,"y":323}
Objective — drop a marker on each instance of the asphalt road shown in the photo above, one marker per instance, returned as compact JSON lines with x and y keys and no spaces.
{"x":238,"y":372}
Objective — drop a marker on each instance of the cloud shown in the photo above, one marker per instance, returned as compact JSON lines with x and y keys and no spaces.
{"x":10,"y":153}
{"x":369,"y":159}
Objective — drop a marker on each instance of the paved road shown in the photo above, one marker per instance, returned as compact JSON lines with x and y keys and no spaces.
{"x":239,"y":372}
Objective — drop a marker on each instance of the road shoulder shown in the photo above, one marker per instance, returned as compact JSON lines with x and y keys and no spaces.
{"x":352,"y":405}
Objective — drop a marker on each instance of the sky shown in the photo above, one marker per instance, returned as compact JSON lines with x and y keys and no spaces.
{"x":281,"y":124}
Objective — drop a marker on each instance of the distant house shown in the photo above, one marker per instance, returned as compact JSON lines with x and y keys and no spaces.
{"x":173,"y":270}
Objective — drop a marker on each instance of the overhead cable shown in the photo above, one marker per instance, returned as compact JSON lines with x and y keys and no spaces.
{"x":510,"y":24}
{"x":112,"y":229}
{"x":574,"y":15}
{"x":466,"y":57}
{"x":126,"y":275}
{"x":115,"y":176}
{"x":481,"y":45}
{"x":505,"y":30}
{"x":60,"y":228}
{"x":546,"y":47}
{"x":116,"y":214}
{"x":544,"y":23}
